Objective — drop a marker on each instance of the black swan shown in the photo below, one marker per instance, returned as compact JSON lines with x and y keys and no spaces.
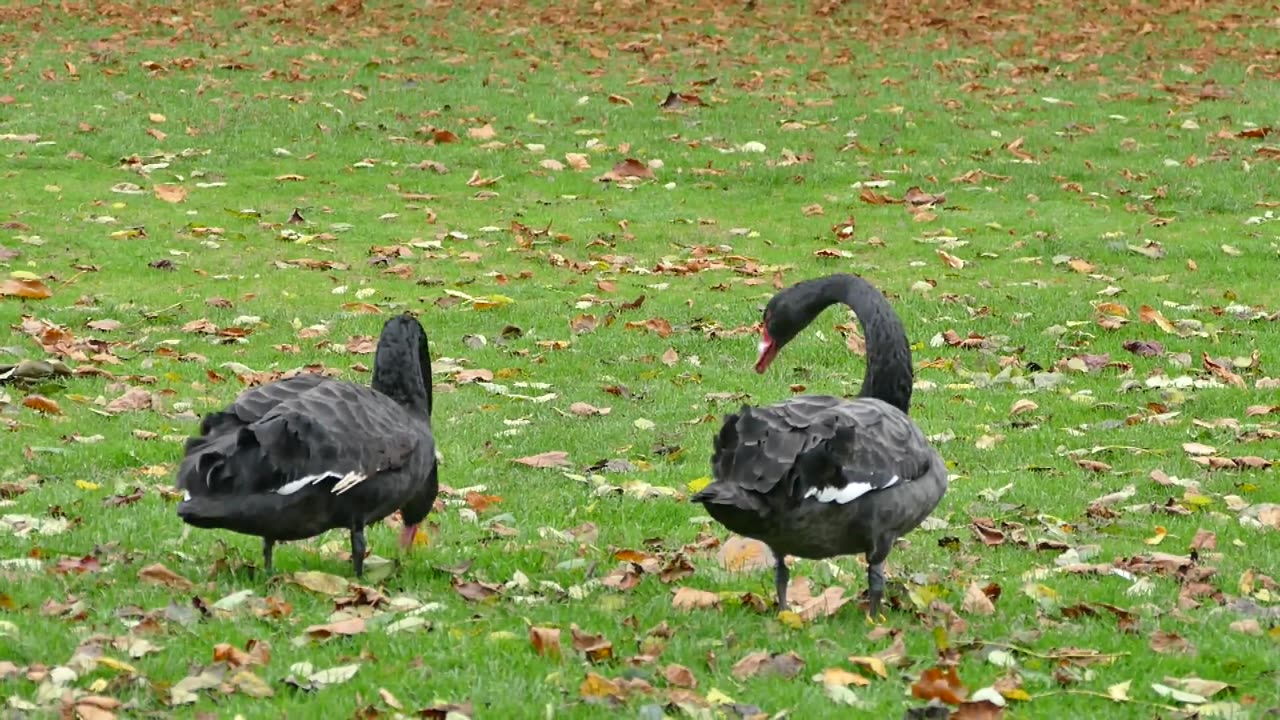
{"x":293,"y":458}
{"x":817,"y":476}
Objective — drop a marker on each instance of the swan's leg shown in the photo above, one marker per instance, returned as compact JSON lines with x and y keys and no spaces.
{"x":267,"y":546}
{"x":781,"y":576}
{"x":357,"y":549}
{"x":875,"y":582}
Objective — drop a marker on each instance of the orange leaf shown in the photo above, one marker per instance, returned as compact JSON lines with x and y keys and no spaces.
{"x":545,"y":641}
{"x":161,"y":575}
{"x":551,"y":459}
{"x":42,"y":404}
{"x":171,"y":193}
{"x":938,"y":683}
{"x":25,"y":289}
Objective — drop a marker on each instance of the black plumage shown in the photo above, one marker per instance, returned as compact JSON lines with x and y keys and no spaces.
{"x":817,"y":476}
{"x":293,"y":458}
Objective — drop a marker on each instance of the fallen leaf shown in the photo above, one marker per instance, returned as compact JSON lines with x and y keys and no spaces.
{"x":350,"y":626}
{"x":545,"y":641}
{"x":25,"y":289}
{"x":680,"y":676}
{"x":691,"y":599}
{"x":476,"y":591}
{"x":320,"y":582}
{"x":976,"y":601}
{"x":41,"y":404}
{"x":160,"y":575}
{"x":840,"y":676}
{"x":627,"y":169}
{"x":171,"y":193}
{"x":742,"y":554}
{"x":551,"y":459}
{"x":598,"y":687}
{"x":582,"y":409}
{"x":1170,"y":643}
{"x":940,"y":683}
{"x":595,"y":647}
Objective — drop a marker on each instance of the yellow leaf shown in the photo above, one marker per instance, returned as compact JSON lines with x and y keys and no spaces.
{"x":872,"y":663}
{"x":23,"y":275}
{"x":489,"y":302}
{"x":1158,"y":537}
{"x":923,"y":595}
{"x":791,"y":619}
{"x":698,"y":484}
{"x":1016,"y":694}
{"x":1197,"y":500}
{"x":117,"y":665}
{"x":715,"y":697}
{"x":86,"y":485}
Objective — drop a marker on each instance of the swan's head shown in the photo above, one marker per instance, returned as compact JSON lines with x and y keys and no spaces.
{"x":775,"y":331}
{"x":787,"y":313}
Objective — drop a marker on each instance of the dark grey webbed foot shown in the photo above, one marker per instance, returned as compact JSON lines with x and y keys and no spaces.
{"x":781,"y":578}
{"x":357,"y":550}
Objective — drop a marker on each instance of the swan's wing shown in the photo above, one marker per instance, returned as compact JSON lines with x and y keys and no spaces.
{"x":874,"y":446}
{"x":335,"y":434}
{"x":825,"y":448}
{"x":336,"y":431}
{"x":252,"y":404}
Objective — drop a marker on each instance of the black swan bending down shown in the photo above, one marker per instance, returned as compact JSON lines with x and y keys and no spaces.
{"x":291,"y":459}
{"x":818,"y":476}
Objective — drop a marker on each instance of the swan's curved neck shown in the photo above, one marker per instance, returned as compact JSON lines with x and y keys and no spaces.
{"x":890,"y":374}
{"x":402,"y":372}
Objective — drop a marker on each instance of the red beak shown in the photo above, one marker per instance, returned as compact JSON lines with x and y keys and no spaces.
{"x":768,"y":351}
{"x":407,"y":535}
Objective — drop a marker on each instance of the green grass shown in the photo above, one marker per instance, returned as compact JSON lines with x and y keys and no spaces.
{"x":1127,"y":150}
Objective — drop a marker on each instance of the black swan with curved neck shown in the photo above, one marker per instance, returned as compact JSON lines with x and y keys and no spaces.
{"x":817,"y":476}
{"x":293,"y":458}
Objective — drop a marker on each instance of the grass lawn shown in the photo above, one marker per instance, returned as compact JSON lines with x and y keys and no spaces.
{"x":1076,"y":211}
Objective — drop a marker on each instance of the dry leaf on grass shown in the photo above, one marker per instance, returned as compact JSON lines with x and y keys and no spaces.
{"x":551,"y":459}
{"x":161,"y":575}
{"x":691,"y":599}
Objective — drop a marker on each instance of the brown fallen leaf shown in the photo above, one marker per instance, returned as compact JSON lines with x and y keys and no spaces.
{"x":132,"y":399}
{"x":787,"y":665}
{"x":627,"y":169}
{"x":979,"y":710}
{"x":171,"y":193}
{"x":1170,"y":643}
{"x":545,"y":641}
{"x":950,"y":260}
{"x":595,"y":647}
{"x":41,"y":404}
{"x":257,"y":653}
{"x":742,"y":554}
{"x":1148,"y":314}
{"x":597,"y":687}
{"x":476,"y":591}
{"x":1221,"y":371}
{"x":939,"y":683}
{"x":161,"y":575}
{"x":987,"y":532}
{"x":976,"y":601}
{"x":840,"y":676}
{"x":582,"y":409}
{"x":350,"y":626}
{"x":25,"y":289}
{"x":691,"y":599}
{"x":550,"y":459}
{"x":679,"y":676}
